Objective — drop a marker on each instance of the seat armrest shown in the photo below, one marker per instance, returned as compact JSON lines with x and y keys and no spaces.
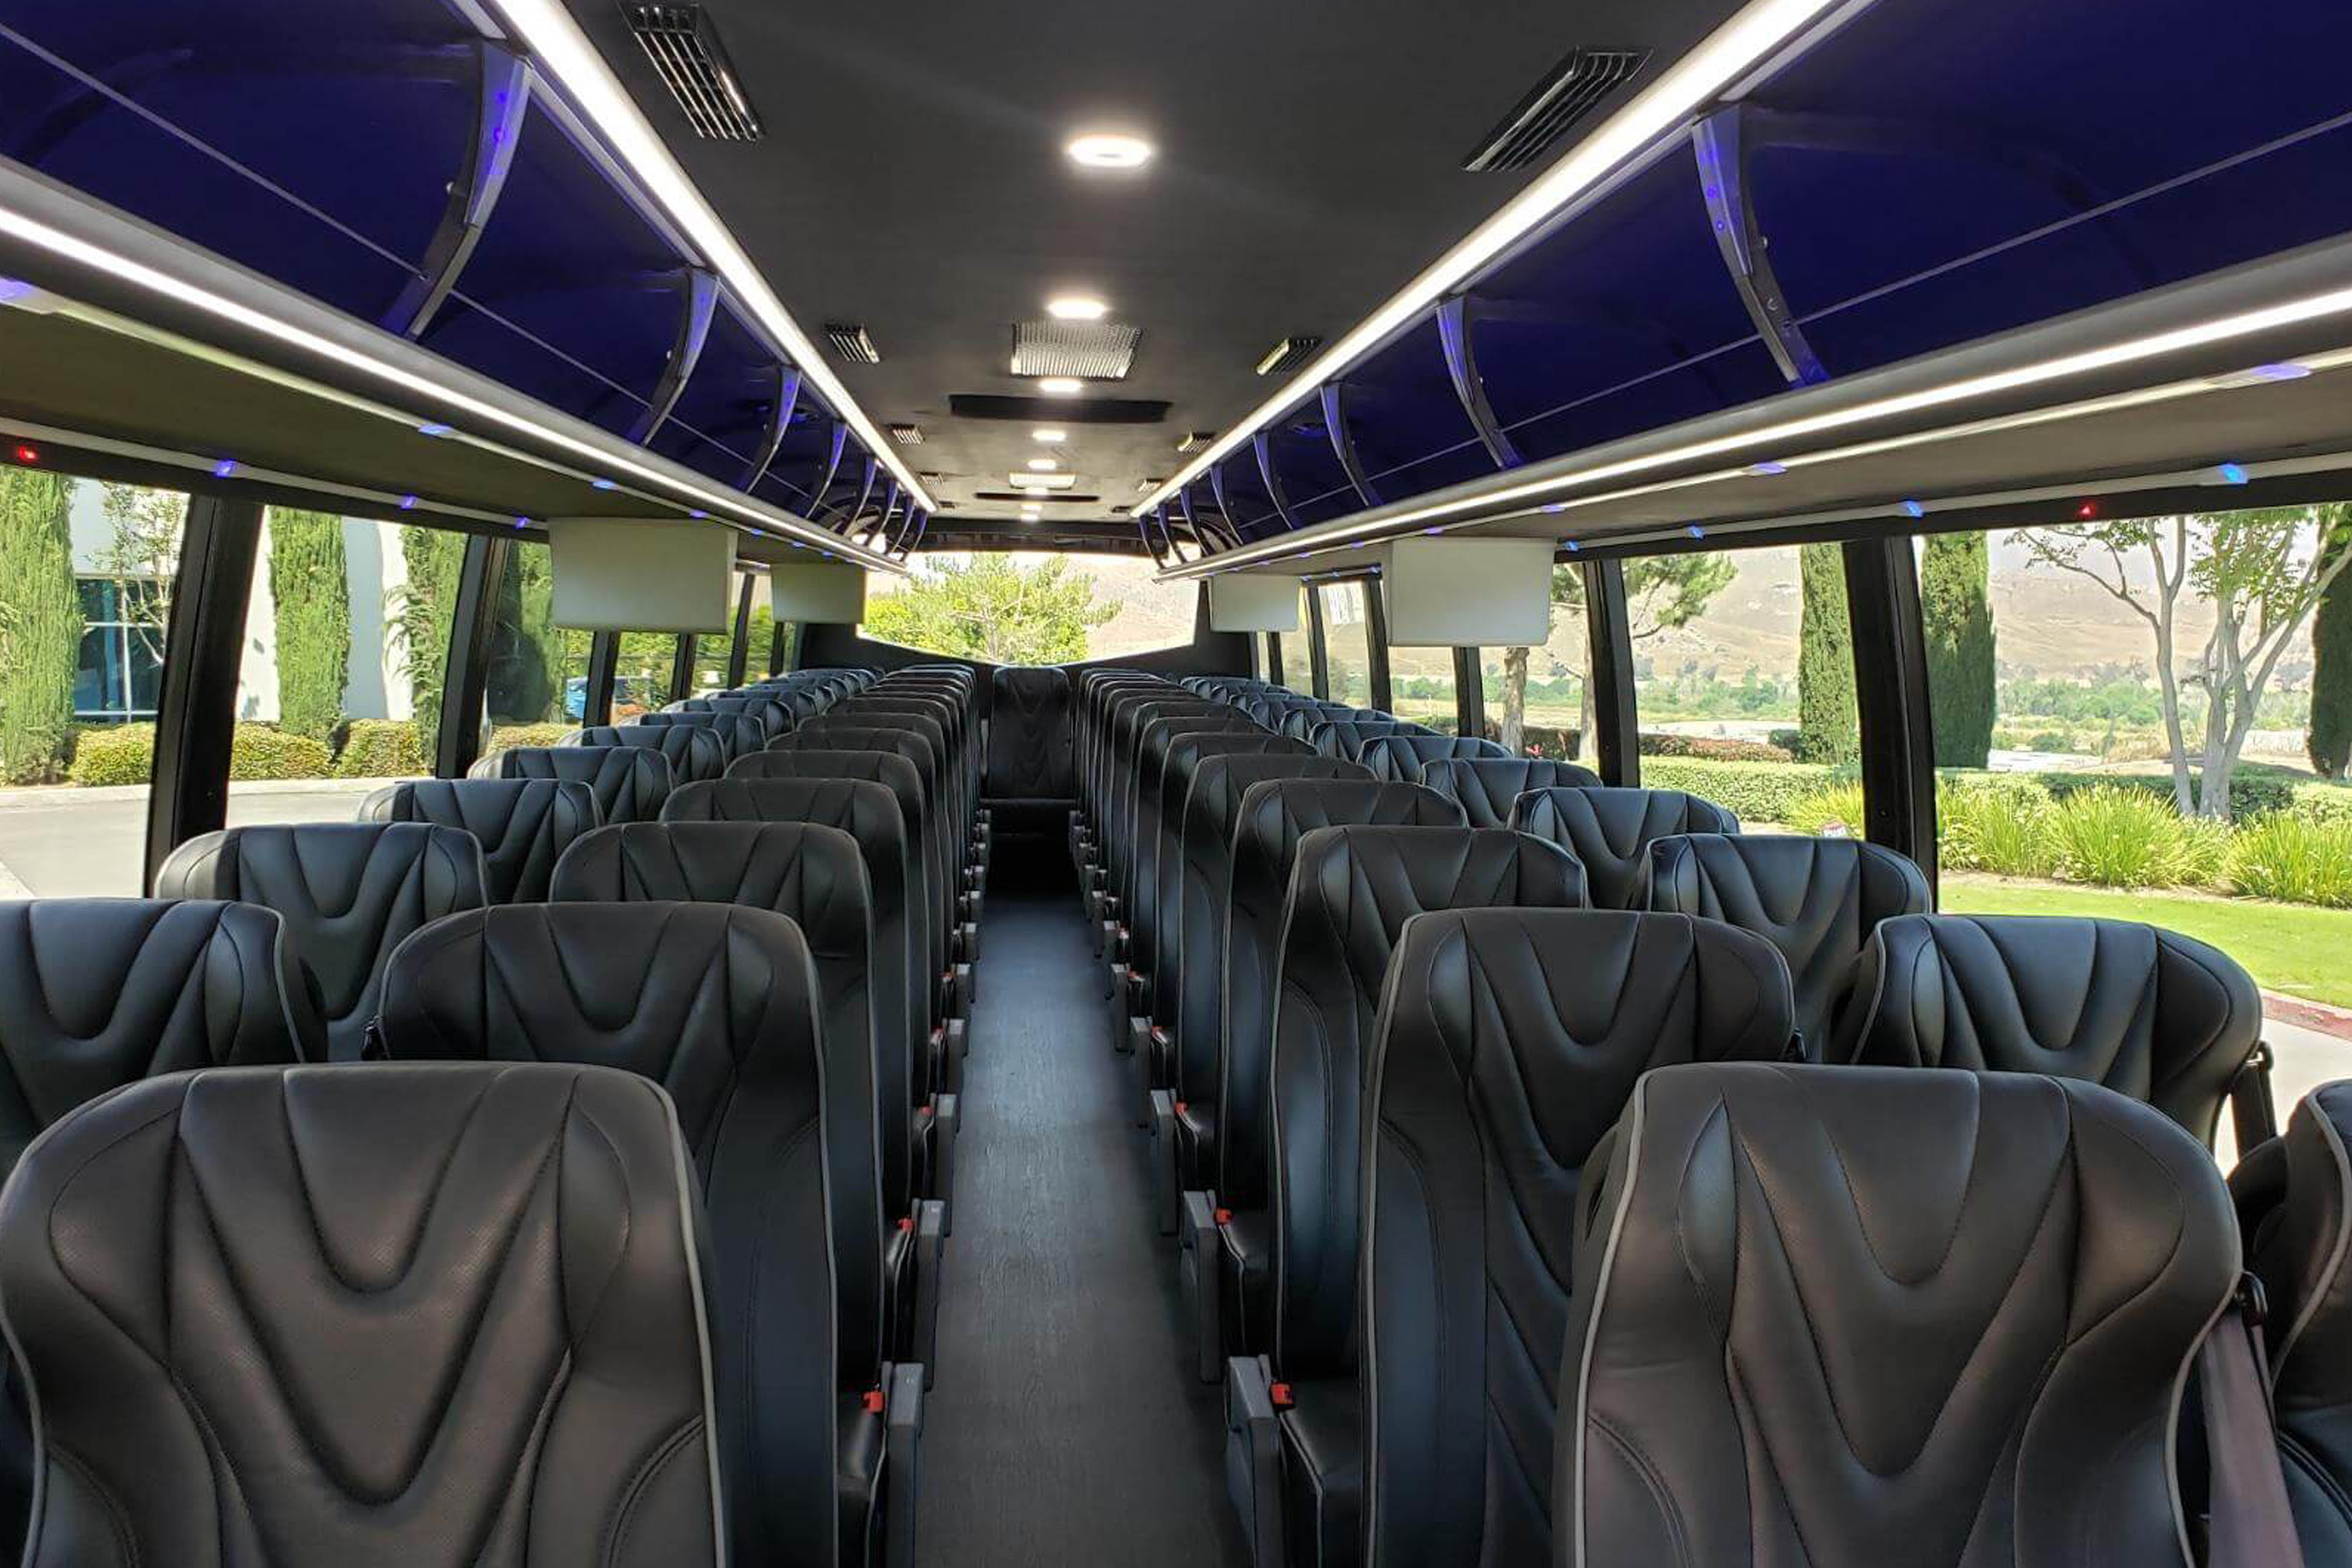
{"x":947,"y":1119}
{"x":1199,"y":1259}
{"x":930,"y":1240}
{"x":903,"y":1413}
{"x":1166,"y":1198}
{"x":2253,"y":1118}
{"x":1253,"y":1457}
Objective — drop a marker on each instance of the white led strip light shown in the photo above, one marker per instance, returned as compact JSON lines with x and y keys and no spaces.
{"x":564,"y":51}
{"x":1780,"y":439}
{"x":1697,"y":79}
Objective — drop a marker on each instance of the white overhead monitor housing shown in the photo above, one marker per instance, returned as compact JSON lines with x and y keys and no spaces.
{"x":1458,"y":592}
{"x":634,"y":574}
{"x":1253,"y":602}
{"x":824,"y":592}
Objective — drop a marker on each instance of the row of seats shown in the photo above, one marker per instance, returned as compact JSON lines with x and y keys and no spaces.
{"x":1341,"y":987}
{"x":398,"y":1310}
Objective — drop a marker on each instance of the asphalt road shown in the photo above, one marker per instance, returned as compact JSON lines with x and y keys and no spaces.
{"x":68,"y":842}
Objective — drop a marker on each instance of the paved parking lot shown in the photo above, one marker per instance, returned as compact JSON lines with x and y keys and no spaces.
{"x":67,"y":843}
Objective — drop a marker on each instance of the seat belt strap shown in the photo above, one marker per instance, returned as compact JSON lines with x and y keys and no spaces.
{"x":2249,"y":1524}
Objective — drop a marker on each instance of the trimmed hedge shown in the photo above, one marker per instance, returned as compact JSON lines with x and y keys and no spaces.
{"x":1717,"y":749}
{"x":381,"y":748}
{"x":114,"y":754}
{"x":262,"y":751}
{"x":1754,"y":791}
{"x":504,"y":737}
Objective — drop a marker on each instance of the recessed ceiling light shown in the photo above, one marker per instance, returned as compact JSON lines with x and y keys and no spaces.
{"x":1042,"y":481}
{"x":1044,"y":465}
{"x":1109,"y":150}
{"x":1076,"y":307}
{"x":1061,"y":386}
{"x":1050,"y":437}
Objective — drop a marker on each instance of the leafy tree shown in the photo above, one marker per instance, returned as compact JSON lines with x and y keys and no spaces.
{"x":2262,"y":571}
{"x":1955,"y":601}
{"x":527,"y":650}
{"x":423,"y":609}
{"x":40,"y":623}
{"x":2331,"y":650}
{"x":310,"y":597}
{"x":144,"y":531}
{"x":1662,"y":592}
{"x":984,"y":607}
{"x":1829,"y":724}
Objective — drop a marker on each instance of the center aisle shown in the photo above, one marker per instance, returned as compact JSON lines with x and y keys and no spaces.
{"x":1064,"y":1428}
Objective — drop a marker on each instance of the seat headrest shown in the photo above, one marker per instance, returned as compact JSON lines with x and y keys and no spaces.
{"x":523,"y":824}
{"x":1610,"y":830}
{"x":1488,"y":786}
{"x":629,"y":782}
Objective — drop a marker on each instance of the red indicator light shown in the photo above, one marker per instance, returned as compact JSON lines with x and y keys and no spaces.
{"x":2087,"y":510}
{"x":29,"y":455}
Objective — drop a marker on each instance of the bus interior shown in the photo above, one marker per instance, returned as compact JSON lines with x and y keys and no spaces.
{"x":795,"y":787}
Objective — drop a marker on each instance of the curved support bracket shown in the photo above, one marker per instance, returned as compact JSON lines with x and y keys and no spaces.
{"x":1263,"y":443}
{"x":502,"y":98}
{"x":881,"y":528}
{"x":780,"y":424}
{"x":1343,"y":442}
{"x":1225,"y":507}
{"x":907,"y":546}
{"x":865,"y":494}
{"x":701,"y":303}
{"x":1722,"y":152}
{"x":832,"y":468}
{"x":1461,"y":368}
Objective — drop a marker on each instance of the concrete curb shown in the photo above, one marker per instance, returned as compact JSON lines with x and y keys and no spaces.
{"x":2318,"y":1017}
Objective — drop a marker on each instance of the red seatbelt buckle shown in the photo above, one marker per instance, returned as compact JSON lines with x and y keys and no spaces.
{"x":1225,"y":1217}
{"x":1181,"y":1107}
{"x":876,"y":1404}
{"x":1277,"y":1393}
{"x":906,"y":1222}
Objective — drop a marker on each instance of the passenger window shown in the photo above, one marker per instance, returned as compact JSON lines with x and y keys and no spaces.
{"x":536,"y":685}
{"x":1346,"y":643}
{"x":346,"y":655}
{"x":1298,"y":649}
{"x":1420,"y":687}
{"x":2060,"y":788}
{"x":86,"y":580}
{"x":1743,"y":680}
{"x":643,"y":677}
{"x":1538,"y":701}
{"x":1025,"y":607}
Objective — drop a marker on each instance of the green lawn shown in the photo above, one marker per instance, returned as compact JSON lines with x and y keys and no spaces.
{"x":2292,"y":949}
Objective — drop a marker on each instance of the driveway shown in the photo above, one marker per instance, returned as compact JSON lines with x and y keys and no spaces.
{"x":67,"y":843}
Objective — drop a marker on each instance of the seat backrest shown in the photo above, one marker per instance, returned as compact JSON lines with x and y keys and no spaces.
{"x":1610,"y":830}
{"x":1404,"y":755}
{"x":1509,"y":1041}
{"x":768,"y":710}
{"x":1346,"y":737}
{"x":348,"y":892}
{"x":1155,"y":746}
{"x":1029,"y":735}
{"x":523,"y":824}
{"x":1271,"y":819}
{"x":1817,"y":900}
{"x":1350,"y":894}
{"x":814,"y":877}
{"x":423,"y":1315}
{"x":693,"y":753}
{"x":629,"y":782}
{"x":99,"y":992}
{"x":2301,"y":1252}
{"x":1157,"y":939}
{"x":940,"y":826}
{"x":2148,"y":1012}
{"x":1300,"y":719}
{"x":716,"y":1005}
{"x":740,"y":734}
{"x":1488,"y":787}
{"x":869,"y":813}
{"x":1837,"y":1314}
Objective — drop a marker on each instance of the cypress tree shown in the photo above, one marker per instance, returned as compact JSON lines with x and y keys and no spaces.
{"x":2330,"y":738}
{"x":526,"y":650}
{"x":1956,"y":604}
{"x":1828,"y":723}
{"x":426,"y":606}
{"x":40,"y":624}
{"x":310,"y":594}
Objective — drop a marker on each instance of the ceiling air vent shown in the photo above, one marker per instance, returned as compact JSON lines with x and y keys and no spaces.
{"x":685,"y":49}
{"x":906,"y":434}
{"x":1288,"y":355}
{"x":850,"y":341}
{"x":1567,"y":92}
{"x":1195,"y":439}
{"x":1088,"y":410}
{"x":1097,"y":350}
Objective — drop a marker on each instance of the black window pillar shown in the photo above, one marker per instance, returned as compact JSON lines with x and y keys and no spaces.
{"x":1891,"y":696}
{"x":1617,"y":746}
{"x":681,"y":668}
{"x":603,"y":666}
{"x":473,"y":627}
{"x":739,"y":650}
{"x":1318,"y":655}
{"x":780,"y":649}
{"x":1469,"y":693}
{"x":195,"y":709}
{"x":1273,"y":664}
{"x":1376,"y":632}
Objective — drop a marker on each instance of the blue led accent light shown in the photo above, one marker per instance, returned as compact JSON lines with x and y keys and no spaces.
{"x":2232,"y":473}
{"x":15,"y":288}
{"x":224,"y":467}
{"x":698,"y":512}
{"x":2280,"y":372}
{"x":1433,"y":532}
{"x":1555,"y":506}
{"x":434,"y":431}
{"x":602,"y":485}
{"x":1766,"y":470}
{"x":523,"y":522}
{"x":1695,"y":531}
{"x":1569,"y":545}
{"x":1914,"y":509}
{"x":408,"y":503}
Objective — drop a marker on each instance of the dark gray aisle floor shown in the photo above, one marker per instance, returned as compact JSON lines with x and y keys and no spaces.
{"x":1063,"y":1428}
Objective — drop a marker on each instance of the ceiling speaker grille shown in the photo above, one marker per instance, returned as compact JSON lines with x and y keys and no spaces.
{"x":685,"y":49}
{"x":1567,"y":94}
{"x":850,"y":341}
{"x":1057,"y":410}
{"x":1097,"y":350}
{"x":1289,"y":355}
{"x":906,"y":434}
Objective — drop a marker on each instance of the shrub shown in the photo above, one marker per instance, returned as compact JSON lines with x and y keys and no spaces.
{"x":1999,"y":827}
{"x":1784,"y":739}
{"x":40,"y":624}
{"x":504,"y":736}
{"x":1710,"y":747}
{"x":1834,"y":812}
{"x":381,"y":748}
{"x":2121,"y":837}
{"x":1753,"y":791}
{"x":262,"y":751}
{"x":2287,"y":856}
{"x":2321,"y":802}
{"x":116,"y":754}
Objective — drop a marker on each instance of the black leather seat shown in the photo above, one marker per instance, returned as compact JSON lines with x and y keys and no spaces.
{"x":1610,"y":832}
{"x":739,"y":734}
{"x":523,"y":824}
{"x":349,"y":893}
{"x":430,"y":1315}
{"x":1029,"y":735}
{"x":768,"y":710}
{"x":1403,"y":756}
{"x":692,"y":753}
{"x":1882,"y":1315}
{"x":717,"y":1005}
{"x":1346,"y":738}
{"x":1509,"y":1041}
{"x":1817,"y":900}
{"x":630,"y":782}
{"x":1488,"y":787}
{"x":1351,"y":891}
{"x":2147,"y":1012}
{"x":2295,"y":1199}
{"x":1300,"y":719}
